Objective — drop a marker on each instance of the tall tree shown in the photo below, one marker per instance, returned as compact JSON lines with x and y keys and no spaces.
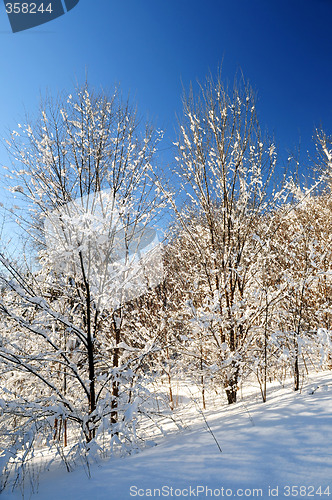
{"x":224,"y":169}
{"x":83,"y":173}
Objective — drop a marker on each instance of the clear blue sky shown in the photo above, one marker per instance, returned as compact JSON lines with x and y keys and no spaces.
{"x":151,"y":47}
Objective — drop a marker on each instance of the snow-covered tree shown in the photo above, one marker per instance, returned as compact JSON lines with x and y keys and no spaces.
{"x":84,"y":175}
{"x":302,"y":246}
{"x":223,"y":169}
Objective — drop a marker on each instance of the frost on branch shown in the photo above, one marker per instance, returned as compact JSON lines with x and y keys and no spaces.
{"x":120,"y":261}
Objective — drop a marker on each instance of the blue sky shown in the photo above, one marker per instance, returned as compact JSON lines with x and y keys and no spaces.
{"x":153,"y":47}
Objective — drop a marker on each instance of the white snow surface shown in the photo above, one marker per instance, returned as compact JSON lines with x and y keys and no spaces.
{"x":285,"y":442}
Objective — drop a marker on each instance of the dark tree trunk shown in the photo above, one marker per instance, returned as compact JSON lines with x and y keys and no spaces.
{"x":296,"y":374}
{"x":232,"y":380}
{"x":231,"y":393}
{"x":231,"y":388}
{"x":90,"y":349}
{"x":115,"y":384}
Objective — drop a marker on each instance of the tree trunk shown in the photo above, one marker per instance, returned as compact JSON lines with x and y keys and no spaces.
{"x":231,"y":388}
{"x":90,"y":349}
{"x":115,"y":384}
{"x":296,"y":374}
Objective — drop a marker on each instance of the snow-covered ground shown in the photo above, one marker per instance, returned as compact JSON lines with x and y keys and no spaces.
{"x":281,"y":448}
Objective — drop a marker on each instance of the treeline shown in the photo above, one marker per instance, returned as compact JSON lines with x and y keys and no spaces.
{"x":238,"y":288}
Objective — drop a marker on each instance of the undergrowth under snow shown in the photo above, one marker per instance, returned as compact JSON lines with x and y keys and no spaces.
{"x":284,"y":443}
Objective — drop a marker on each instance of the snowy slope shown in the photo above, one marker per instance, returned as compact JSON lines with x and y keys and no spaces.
{"x":286,"y":442}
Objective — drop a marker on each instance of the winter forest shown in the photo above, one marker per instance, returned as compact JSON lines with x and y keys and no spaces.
{"x":126,"y":277}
